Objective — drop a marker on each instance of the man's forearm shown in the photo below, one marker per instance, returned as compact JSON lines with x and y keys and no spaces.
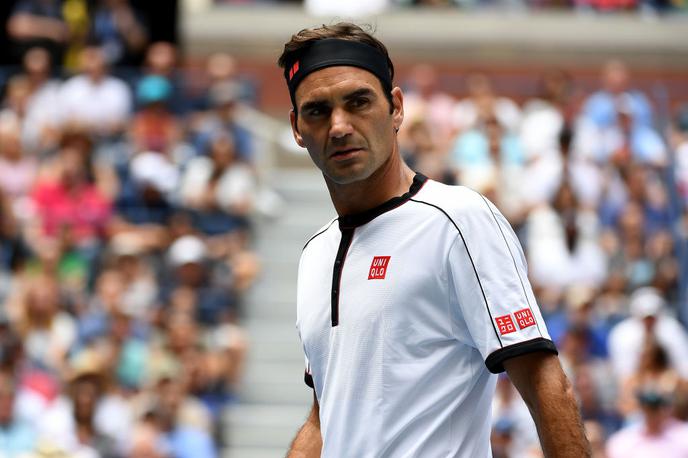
{"x":549,"y":396}
{"x":558,"y":422}
{"x":308,"y":442}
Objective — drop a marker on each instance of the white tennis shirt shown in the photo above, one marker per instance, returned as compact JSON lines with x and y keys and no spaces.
{"x":404,"y":311}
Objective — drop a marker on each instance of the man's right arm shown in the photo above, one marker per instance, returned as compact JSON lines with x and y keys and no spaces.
{"x":308,"y":442}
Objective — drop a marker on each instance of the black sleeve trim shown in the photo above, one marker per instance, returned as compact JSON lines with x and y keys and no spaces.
{"x":495,"y":362}
{"x":308,"y":378}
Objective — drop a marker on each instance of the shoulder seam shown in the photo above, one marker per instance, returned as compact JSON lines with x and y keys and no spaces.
{"x":475,"y":270}
{"x":321,"y":232}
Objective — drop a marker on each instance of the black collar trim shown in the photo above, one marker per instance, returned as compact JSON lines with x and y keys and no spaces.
{"x":359,"y":219}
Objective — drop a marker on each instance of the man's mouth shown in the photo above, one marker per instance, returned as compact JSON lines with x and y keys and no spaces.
{"x":344,"y":153}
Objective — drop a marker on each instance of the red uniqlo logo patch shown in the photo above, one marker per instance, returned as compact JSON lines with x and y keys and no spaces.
{"x":524,"y":318}
{"x":505,"y":324}
{"x":378,"y":269}
{"x":294,"y":68}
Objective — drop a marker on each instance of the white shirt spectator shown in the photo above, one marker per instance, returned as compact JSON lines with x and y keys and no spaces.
{"x":235,"y":187}
{"x":96,"y":104}
{"x":551,"y":262}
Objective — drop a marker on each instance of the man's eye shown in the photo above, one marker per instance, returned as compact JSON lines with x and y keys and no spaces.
{"x":315,"y":112}
{"x":360,"y":102}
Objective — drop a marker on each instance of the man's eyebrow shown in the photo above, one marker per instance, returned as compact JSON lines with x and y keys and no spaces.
{"x":313,"y":104}
{"x":363,"y":92}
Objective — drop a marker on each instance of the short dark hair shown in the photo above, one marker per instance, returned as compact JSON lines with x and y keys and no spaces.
{"x":303,"y":39}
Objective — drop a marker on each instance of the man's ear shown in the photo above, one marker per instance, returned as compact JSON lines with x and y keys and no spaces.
{"x":295,"y":128}
{"x":397,"y":107}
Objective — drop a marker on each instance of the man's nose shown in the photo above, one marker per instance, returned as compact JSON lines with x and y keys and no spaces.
{"x":340,"y":124}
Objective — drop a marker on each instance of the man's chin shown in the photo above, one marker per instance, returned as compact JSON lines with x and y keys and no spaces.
{"x":343,"y":178}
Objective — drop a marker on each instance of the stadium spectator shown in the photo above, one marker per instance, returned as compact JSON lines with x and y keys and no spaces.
{"x":482,"y":103}
{"x":225,"y":102}
{"x":38,"y":23}
{"x":489,"y":159}
{"x":425,"y":102}
{"x":17,"y":170}
{"x":219,"y":189}
{"x":17,"y":436}
{"x":658,"y":434}
{"x":70,"y":205}
{"x":421,"y":153}
{"x":154,"y":127}
{"x":654,"y":370}
{"x":624,"y":139}
{"x":563,"y":243}
{"x":161,"y":60}
{"x":144,"y":209}
{"x":512,"y":421}
{"x":601,"y":108}
{"x":41,"y":120}
{"x":119,"y":30}
{"x":648,"y":319}
{"x":213,"y":303}
{"x":93,"y":99}
{"x":679,"y":146}
{"x":38,"y":311}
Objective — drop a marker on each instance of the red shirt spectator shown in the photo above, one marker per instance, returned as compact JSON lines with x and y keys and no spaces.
{"x":71,"y":203}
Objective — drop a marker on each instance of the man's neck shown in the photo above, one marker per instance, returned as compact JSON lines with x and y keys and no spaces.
{"x":391,"y":180}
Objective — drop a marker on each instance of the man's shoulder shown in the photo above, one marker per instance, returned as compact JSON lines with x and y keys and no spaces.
{"x":456,"y":202}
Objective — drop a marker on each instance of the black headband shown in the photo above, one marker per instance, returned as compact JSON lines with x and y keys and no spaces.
{"x":331,"y":52}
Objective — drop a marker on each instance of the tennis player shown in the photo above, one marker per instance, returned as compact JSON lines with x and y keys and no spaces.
{"x":416,"y":295}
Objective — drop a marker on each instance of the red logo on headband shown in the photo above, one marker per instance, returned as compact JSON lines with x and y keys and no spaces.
{"x":294,"y":68}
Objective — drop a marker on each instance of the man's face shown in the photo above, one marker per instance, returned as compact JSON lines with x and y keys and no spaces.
{"x":345,"y":122}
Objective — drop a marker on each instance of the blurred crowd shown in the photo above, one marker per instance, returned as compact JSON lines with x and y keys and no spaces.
{"x":596,"y":191}
{"x":126,"y":202}
{"x":362,"y":7}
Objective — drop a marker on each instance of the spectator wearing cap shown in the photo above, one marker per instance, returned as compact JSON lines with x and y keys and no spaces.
{"x":69,"y":424}
{"x":154,"y":127}
{"x":162,"y":60}
{"x":139,"y":284}
{"x":144,"y":207}
{"x":653,"y":371}
{"x":94,"y":99}
{"x":648,"y":320}
{"x":657,"y":435}
{"x":191,"y":270}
